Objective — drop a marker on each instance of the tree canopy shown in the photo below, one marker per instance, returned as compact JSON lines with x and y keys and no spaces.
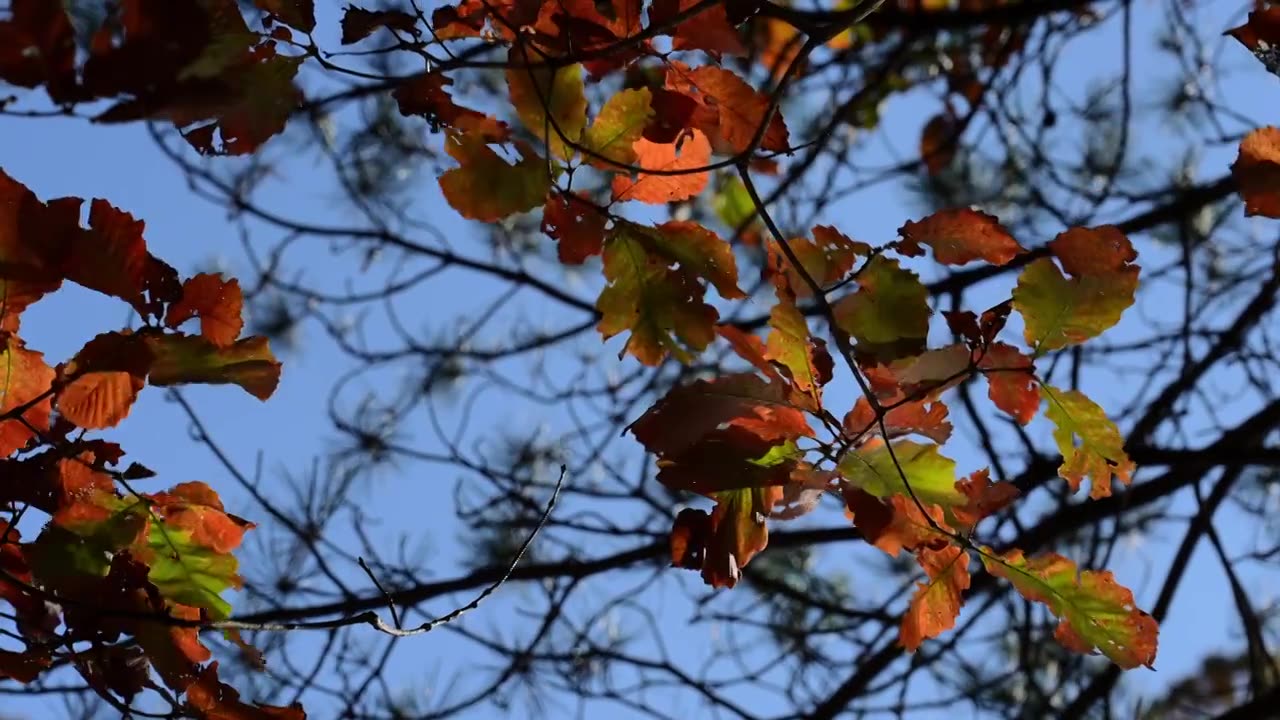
{"x":788,"y":359}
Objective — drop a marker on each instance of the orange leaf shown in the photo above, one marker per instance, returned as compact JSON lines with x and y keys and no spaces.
{"x":985,"y":498}
{"x":33,"y":239}
{"x":105,"y":378}
{"x":919,"y":417}
{"x":826,"y":259}
{"x":211,"y":699}
{"x":358,"y":24}
{"x":1257,"y":169}
{"x":938,"y":142}
{"x":424,"y":95}
{"x":739,"y":109}
{"x":24,"y":377}
{"x":681,"y":159}
{"x":196,"y":507}
{"x":708,"y":30}
{"x":960,"y":236}
{"x":576,"y":225}
{"x":216,"y":302}
{"x":895,"y":523}
{"x":936,"y":604}
{"x":1011,"y":381}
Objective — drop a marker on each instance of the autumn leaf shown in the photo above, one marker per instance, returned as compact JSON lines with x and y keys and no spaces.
{"x":739,"y":109}
{"x":1011,"y":382}
{"x":614,"y":132}
{"x":297,"y":14}
{"x":1060,"y":311}
{"x":103,"y":380}
{"x":895,"y":523}
{"x":551,"y":102}
{"x":25,"y":381}
{"x":707,"y":30}
{"x":1261,"y":31}
{"x":1094,"y":611}
{"x":425,"y":96}
{"x":935,"y":604}
{"x":1257,"y":168}
{"x":938,"y":143}
{"x":196,"y":507}
{"x":689,"y":412}
{"x":985,"y":498}
{"x":888,"y":316}
{"x":663,"y":306}
{"x":112,"y":258}
{"x":826,"y":259}
{"x":960,"y":236}
{"x":181,"y":359}
{"x":576,"y":225}
{"x":485,"y":187}
{"x":669,"y":171}
{"x":218,"y":304}
{"x":25,"y":666}
{"x":913,"y":417}
{"x":208,"y":698}
{"x":38,"y":47}
{"x":730,"y":459}
{"x":1090,"y":443}
{"x":808,"y":363}
{"x":358,"y":23}
{"x":723,"y":542}
{"x":33,"y":240}
{"x":931,"y":475}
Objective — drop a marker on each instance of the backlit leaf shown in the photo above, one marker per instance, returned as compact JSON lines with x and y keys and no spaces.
{"x":738,"y":107}
{"x":1090,"y":443}
{"x":895,"y":523}
{"x":919,"y":417}
{"x":708,"y":30}
{"x":960,"y":236}
{"x":358,"y":23}
{"x":935,"y":604}
{"x":24,"y":379}
{"x":808,"y":363}
{"x":1011,"y":381}
{"x":616,"y":129}
{"x":663,"y":306}
{"x":550,"y":102}
{"x":1094,"y":611}
{"x":425,"y":95}
{"x":105,"y":379}
{"x":181,"y":359}
{"x":888,"y":316}
{"x":1060,"y":311}
{"x":1257,"y":169}
{"x":576,"y":225}
{"x":485,"y":187}
{"x":216,"y":302}
{"x":931,"y":475}
{"x":33,"y":237}
{"x":723,"y":542}
{"x":669,"y":171}
{"x":208,"y":698}
{"x":827,"y":259}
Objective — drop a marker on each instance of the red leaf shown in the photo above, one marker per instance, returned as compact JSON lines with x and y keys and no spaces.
{"x":38,"y":47}
{"x":216,"y":302}
{"x":424,"y":95}
{"x":576,"y":225}
{"x":681,"y":160}
{"x":960,"y":236}
{"x":896,"y":523}
{"x":211,"y":699}
{"x":1093,"y":251}
{"x":985,"y":498}
{"x":104,"y":379}
{"x":919,"y":417}
{"x":24,"y":378}
{"x":739,"y":109}
{"x":936,"y":604}
{"x":1257,"y":168}
{"x":938,"y":142}
{"x":1262,"y":29}
{"x":25,"y":666}
{"x":1011,"y":381}
{"x":297,"y":14}
{"x":708,"y":30}
{"x":358,"y":23}
{"x":196,"y":507}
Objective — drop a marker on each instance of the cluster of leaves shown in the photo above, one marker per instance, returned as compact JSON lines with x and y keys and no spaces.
{"x":118,"y":581}
{"x":759,"y":444}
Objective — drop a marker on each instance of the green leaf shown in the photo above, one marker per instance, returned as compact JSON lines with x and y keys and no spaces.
{"x":485,"y":187}
{"x":932,"y":476}
{"x":180,"y":359}
{"x":618,"y":126}
{"x":663,"y":306}
{"x":1095,"y":612}
{"x":551,"y":103}
{"x":1090,"y":443}
{"x":889,"y":314}
{"x":189,"y":573}
{"x":1060,"y":311}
